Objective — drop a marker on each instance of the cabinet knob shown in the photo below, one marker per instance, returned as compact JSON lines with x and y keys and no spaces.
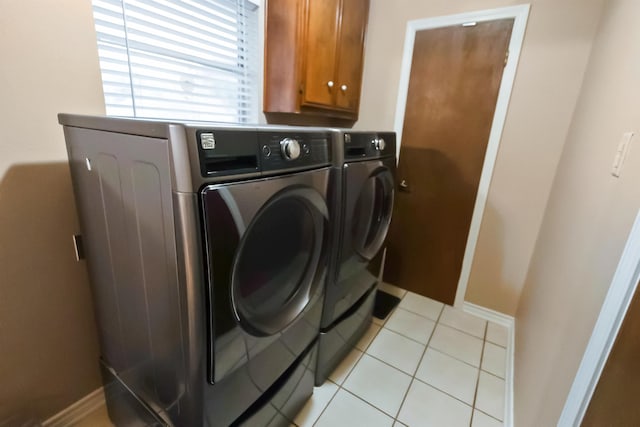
{"x":330,"y":83}
{"x":343,"y":88}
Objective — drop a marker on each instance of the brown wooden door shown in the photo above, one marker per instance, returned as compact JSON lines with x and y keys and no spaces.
{"x":320,"y":60}
{"x":353,"y":22}
{"x":453,"y":87}
{"x":615,"y":399}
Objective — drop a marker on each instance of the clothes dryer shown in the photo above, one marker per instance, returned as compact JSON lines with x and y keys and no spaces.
{"x":207,"y":248}
{"x":364,"y":170}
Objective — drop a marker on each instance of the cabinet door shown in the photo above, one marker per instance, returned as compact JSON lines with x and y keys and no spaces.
{"x":352,"y":28}
{"x":320,"y":54}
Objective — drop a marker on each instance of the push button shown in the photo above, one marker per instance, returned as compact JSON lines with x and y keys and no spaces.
{"x":266,"y":150}
{"x":207,"y":141}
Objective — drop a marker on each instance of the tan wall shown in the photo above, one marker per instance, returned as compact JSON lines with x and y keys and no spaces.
{"x":555,"y":51}
{"x":48,"y":345}
{"x":588,"y":220}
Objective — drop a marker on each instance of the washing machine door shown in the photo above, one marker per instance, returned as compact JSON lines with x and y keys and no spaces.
{"x":370,"y":192}
{"x":266,"y":244}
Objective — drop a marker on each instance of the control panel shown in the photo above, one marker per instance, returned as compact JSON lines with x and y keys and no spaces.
{"x":252,"y":151}
{"x":369,"y":145}
{"x":286,"y":150}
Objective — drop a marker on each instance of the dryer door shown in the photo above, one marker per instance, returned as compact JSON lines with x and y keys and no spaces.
{"x":266,"y":243}
{"x":370,"y":193}
{"x":276,"y":262}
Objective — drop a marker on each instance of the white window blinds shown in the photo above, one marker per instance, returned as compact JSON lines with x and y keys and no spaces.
{"x":188,"y":59}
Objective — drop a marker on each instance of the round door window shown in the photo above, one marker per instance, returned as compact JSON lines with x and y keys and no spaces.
{"x":274,"y":274}
{"x":372,"y":214}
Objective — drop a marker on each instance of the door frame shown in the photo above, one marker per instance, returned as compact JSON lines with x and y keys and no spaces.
{"x":612,"y":314}
{"x":520,"y":14}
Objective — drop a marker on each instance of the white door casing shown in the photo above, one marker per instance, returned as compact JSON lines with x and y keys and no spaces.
{"x":520,"y":15}
{"x":612,"y":314}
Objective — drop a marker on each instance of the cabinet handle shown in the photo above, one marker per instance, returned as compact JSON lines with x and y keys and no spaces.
{"x":343,"y":88}
{"x":330,"y":83}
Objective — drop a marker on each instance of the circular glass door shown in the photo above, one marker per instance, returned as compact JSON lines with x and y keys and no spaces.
{"x":275,"y":268}
{"x":372,"y":214}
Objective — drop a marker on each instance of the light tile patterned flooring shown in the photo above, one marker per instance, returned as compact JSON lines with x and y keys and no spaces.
{"x":426,"y":364}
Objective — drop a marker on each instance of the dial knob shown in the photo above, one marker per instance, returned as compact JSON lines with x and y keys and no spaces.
{"x":290,"y":148}
{"x":379,"y":144}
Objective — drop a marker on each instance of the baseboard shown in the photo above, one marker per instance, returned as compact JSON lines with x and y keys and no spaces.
{"x":488,"y":314}
{"x":510,"y":323}
{"x":78,"y":410}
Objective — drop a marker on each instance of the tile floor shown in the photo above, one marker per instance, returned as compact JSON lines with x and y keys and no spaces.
{"x":426,"y":364}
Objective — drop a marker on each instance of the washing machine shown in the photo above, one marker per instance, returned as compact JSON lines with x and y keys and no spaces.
{"x":208,"y":249}
{"x":363,"y":170}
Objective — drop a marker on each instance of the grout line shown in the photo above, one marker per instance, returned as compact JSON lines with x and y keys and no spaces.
{"x":475,"y":395}
{"x":465,"y":332}
{"x":508,"y":322}
{"x":493,"y":375}
{"x":382,"y":361}
{"x":413,"y":377}
{"x":444,"y":392}
{"x":496,"y":344}
{"x":454,"y":357}
{"x":406,"y":393}
{"x":362,"y":353}
{"x":368,"y":403}
{"x":467,"y":315}
{"x":420,"y":314}
{"x":436,"y":323}
{"x":490,"y":416}
{"x":409,"y":338}
{"x":406,"y":336}
{"x":326,"y":406}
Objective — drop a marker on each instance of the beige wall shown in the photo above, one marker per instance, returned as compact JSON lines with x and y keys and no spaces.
{"x":555,"y":51}
{"x":48,"y":345}
{"x":588,"y":220}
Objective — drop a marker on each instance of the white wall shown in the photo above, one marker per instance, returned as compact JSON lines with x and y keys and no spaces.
{"x":48,"y":346}
{"x":554,"y":55}
{"x":586,"y":225}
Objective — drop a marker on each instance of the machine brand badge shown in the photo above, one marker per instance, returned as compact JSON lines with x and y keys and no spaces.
{"x":347,"y":138}
{"x":207,"y":141}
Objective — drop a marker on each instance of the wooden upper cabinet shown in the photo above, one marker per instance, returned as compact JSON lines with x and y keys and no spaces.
{"x":350,"y":60}
{"x":320,"y":53}
{"x":313,"y":61}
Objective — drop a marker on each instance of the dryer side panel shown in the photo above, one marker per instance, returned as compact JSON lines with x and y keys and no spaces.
{"x":123,"y":193}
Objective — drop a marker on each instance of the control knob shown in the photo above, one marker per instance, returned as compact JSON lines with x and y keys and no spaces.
{"x":379,"y":144}
{"x":290,"y":148}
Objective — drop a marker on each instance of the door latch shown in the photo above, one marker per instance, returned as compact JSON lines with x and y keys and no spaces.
{"x":78,"y":247}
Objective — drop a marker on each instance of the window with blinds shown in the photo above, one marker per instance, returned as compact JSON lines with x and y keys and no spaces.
{"x":187,"y":59}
